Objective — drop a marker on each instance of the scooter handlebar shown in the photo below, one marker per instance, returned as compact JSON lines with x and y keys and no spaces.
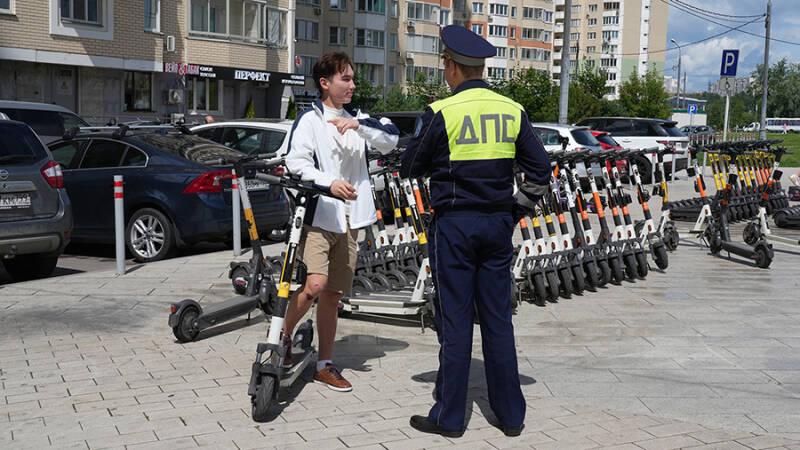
{"x":292,"y":183}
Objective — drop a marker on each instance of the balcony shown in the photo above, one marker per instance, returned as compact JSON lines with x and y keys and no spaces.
{"x":558,"y":43}
{"x":559,"y":15}
{"x":557,"y":56}
{"x":611,"y":13}
{"x":556,"y":69}
{"x":560,"y":2}
{"x":559,"y":27}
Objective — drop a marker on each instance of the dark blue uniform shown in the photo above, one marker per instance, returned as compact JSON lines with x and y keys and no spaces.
{"x":468,"y":146}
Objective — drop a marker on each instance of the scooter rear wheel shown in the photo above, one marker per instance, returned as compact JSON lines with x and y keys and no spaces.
{"x":605,"y":272}
{"x":263,"y":398}
{"x":671,"y":236}
{"x":763,"y":255}
{"x":618,"y":273}
{"x":565,"y":279}
{"x":630,"y":266}
{"x":660,"y":256}
{"x":641,"y":262}
{"x":185,"y":331}
{"x":553,"y":286}
{"x":578,"y":279}
{"x":593,"y":277}
{"x":539,"y":289}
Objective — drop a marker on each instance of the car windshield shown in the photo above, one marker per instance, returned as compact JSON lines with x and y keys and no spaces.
{"x":607,"y":139}
{"x":671,"y":129}
{"x":584,"y":137}
{"x":193,"y":148}
{"x":18,"y":144}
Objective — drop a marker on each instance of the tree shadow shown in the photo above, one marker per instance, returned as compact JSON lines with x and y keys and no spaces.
{"x":352,"y":352}
{"x":477,"y":393}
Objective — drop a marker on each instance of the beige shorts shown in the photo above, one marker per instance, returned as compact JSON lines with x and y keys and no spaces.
{"x":330,"y":254}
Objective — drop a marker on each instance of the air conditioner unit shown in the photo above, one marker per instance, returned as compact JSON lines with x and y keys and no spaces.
{"x":409,"y":55}
{"x":174,"y":96}
{"x":317,"y":11}
{"x":411,"y":24}
{"x":169,"y":43}
{"x":490,"y":19}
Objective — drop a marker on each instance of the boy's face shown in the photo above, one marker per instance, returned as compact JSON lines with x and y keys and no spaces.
{"x":340,"y":87}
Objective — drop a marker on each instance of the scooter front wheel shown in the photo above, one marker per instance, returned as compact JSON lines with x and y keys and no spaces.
{"x":605,"y":272}
{"x":539,"y":289}
{"x":578,"y":279}
{"x":565,"y":278}
{"x":671,"y":237}
{"x":763,"y":255}
{"x":617,"y":271}
{"x":660,"y":256}
{"x":553,"y":286}
{"x":265,"y":393}
{"x":630,"y":266}
{"x":641,"y":262}
{"x":185,"y":330}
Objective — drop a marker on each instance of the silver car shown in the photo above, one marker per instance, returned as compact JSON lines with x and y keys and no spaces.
{"x":35,"y":211}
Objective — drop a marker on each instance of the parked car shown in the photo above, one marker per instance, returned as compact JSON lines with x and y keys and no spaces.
{"x":50,"y":122}
{"x":556,"y":137}
{"x":250,"y":136}
{"x":173,"y":196}
{"x":753,"y":126}
{"x":698,"y":130}
{"x":35,"y":210}
{"x":608,"y":143}
{"x":639,"y":133}
{"x":408,"y":122}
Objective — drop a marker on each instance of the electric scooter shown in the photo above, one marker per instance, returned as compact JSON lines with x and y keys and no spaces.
{"x":268,"y":374}
{"x":255,"y":278}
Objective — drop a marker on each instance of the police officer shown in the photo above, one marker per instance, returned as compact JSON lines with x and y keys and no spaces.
{"x":468,"y":146}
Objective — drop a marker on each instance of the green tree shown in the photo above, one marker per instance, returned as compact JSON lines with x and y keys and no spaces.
{"x":366,"y":94}
{"x":423,"y":91}
{"x":291,"y":109}
{"x":783,"y":97}
{"x":534,"y":90}
{"x":586,"y":91}
{"x":397,"y":100}
{"x":645,"y":96}
{"x":738,"y":115}
{"x":250,"y":110}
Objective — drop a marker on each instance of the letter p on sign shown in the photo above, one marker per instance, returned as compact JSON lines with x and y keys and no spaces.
{"x":729,"y":60}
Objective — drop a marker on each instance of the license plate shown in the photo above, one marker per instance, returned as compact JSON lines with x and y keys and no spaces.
{"x":9,"y":201}
{"x":255,"y":185}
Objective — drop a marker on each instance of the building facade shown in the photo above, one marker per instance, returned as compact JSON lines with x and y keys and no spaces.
{"x":149,"y":58}
{"x":731,"y":86}
{"x":621,"y":37}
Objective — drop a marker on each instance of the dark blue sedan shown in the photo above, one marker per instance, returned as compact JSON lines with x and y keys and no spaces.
{"x":172,"y":198}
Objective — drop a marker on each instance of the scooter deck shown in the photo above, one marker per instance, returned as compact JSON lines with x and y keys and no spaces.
{"x":393,"y":302}
{"x":304,"y":357}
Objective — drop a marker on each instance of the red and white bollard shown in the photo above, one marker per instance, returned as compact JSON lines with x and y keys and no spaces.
{"x":119,"y":224}
{"x":237,"y":220}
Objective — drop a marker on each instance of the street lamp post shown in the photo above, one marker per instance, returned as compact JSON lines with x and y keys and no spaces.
{"x":678,"y":98}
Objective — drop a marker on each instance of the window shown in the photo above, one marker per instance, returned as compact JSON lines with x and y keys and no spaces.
{"x":576,"y":9}
{"x":592,"y":22}
{"x":610,"y":35}
{"x":548,"y":136}
{"x":611,"y":76}
{"x":498,"y":9}
{"x":86,"y":11}
{"x":592,"y":8}
{"x":573,"y":50}
{"x":589,"y":63}
{"x":591,"y":49}
{"x":309,"y":2}
{"x":209,"y":16}
{"x":369,"y":38}
{"x":512,"y":53}
{"x":609,"y":6}
{"x":460,"y":5}
{"x":477,"y":8}
{"x":575,"y":22}
{"x":498,"y":30}
{"x":422,"y":44}
{"x":393,"y":41}
{"x":65,"y":152}
{"x":534,"y":54}
{"x":501,"y":52}
{"x":369,"y":71}
{"x":513,"y":11}
{"x":103,"y":153}
{"x":424,"y":12}
{"x":338,"y":36}
{"x":592,"y":35}
{"x":610,"y":48}
{"x":134,"y":158}
{"x":5,"y":6}
{"x":203,"y":95}
{"x":527,"y":13}
{"x":376,"y":6}
{"x":249,"y":20}
{"x":425,"y":73}
{"x":527,"y":33}
{"x":392,"y":74}
{"x":395,"y":8}
{"x":306,"y":30}
{"x":611,"y":20}
{"x":608,"y":62}
{"x":477,"y":28}
{"x":276,"y":27}
{"x":152,"y":15}
{"x":306,"y":64}
{"x":444,"y":17}
{"x":537,"y":14}
{"x":339,"y":4}
{"x":246,"y":140}
{"x":511,"y":73}
{"x":138,"y":91}
{"x":496,"y":72}
{"x":574,"y":37}
{"x":512,"y":32}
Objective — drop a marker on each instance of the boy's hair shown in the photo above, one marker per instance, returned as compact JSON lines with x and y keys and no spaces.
{"x":329,"y":65}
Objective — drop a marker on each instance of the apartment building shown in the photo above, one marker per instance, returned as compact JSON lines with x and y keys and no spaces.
{"x":620,"y":36}
{"x":149,"y":58}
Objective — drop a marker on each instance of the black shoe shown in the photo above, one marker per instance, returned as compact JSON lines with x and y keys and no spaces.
{"x":513,"y":431}
{"x":421,"y":423}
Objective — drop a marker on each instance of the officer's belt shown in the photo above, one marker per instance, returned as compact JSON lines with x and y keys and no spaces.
{"x":441,"y":211}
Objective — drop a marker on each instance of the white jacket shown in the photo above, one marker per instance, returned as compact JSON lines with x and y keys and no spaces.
{"x":310,"y":150}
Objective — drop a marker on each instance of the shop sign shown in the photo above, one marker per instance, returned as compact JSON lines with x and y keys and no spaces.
{"x":251,"y":75}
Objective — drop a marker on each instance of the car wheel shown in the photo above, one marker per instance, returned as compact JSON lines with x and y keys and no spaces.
{"x":30,"y":267}
{"x":149,"y":235}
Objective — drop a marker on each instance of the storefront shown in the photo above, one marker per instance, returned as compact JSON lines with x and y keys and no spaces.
{"x":227,"y":92}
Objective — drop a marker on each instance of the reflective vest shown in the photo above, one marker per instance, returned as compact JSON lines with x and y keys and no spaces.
{"x":480,"y":124}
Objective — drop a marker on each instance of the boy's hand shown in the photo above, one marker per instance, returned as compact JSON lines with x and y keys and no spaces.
{"x":343,"y":190}
{"x":342,"y":124}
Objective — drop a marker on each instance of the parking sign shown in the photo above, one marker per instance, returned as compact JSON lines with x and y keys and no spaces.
{"x":692,"y":109}
{"x":730,"y":58}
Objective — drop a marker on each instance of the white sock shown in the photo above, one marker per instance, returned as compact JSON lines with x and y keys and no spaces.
{"x":321,"y":364}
